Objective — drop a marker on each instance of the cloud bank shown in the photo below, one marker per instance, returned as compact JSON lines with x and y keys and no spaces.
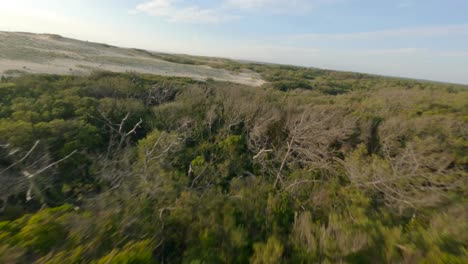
{"x":175,"y":11}
{"x":185,"y":12}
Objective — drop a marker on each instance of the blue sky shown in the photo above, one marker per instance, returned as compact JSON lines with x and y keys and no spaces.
{"x":407,"y":38}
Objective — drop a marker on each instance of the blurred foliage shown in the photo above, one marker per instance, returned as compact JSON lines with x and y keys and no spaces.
{"x":314,"y":167}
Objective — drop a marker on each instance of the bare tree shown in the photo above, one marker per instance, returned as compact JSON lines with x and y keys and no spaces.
{"x":115,"y":165}
{"x":417,"y":174}
{"x":310,"y":136}
{"x":23,"y":172}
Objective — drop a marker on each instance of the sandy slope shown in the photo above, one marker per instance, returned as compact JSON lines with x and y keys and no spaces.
{"x":44,"y":53}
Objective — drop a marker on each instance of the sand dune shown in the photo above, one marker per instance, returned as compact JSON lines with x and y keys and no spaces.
{"x":46,"y":53}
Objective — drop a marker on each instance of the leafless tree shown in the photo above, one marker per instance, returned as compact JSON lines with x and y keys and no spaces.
{"x":115,"y":165}
{"x":417,"y":174}
{"x":310,"y":135}
{"x":23,"y":172}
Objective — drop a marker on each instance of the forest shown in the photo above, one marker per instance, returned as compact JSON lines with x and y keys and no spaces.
{"x":314,"y":166}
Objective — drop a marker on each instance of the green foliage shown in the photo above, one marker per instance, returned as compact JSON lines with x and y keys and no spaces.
{"x":268,"y":253}
{"x":42,"y":232}
{"x":314,"y":167}
{"x":73,"y":256}
{"x":132,"y":253}
{"x":291,"y":85}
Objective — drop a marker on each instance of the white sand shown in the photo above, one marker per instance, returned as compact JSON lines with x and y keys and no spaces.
{"x":39,"y":53}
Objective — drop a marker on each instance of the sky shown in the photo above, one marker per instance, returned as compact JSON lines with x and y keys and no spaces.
{"x":422,"y":39}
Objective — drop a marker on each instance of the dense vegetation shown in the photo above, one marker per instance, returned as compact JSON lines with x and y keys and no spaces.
{"x":313,"y":167}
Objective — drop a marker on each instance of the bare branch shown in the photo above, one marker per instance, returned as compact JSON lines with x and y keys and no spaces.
{"x":301,"y":182}
{"x":133,"y":131}
{"x":263,"y":150}
{"x":123,"y":122}
{"x":54,"y":163}
{"x":23,"y":158}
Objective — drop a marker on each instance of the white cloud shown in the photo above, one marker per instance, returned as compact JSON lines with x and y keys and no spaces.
{"x":156,"y":7}
{"x":278,"y":6}
{"x":270,"y":4}
{"x":197,"y":15}
{"x":180,"y":11}
{"x":174,"y":11}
